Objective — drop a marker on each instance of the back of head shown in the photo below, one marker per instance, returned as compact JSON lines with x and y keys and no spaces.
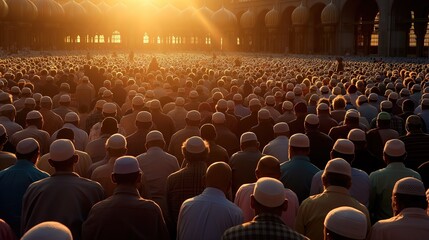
{"x":268,"y":166}
{"x":219,"y":175}
{"x":408,"y":192}
{"x":337,"y":172}
{"x":208,"y":132}
{"x":109,"y":126}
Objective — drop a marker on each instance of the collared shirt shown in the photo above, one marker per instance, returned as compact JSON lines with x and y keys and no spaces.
{"x":242,"y":199}
{"x":81,"y":167}
{"x":278,"y":148}
{"x":410,"y":223}
{"x":207,"y":216}
{"x":359,"y":190}
{"x":243,"y":165}
{"x":263,"y":226}
{"x":297,"y":174}
{"x":42,"y":137}
{"x":80,"y":136}
{"x":184,"y":184}
{"x":157,"y":165}
{"x":125,"y":215}
{"x":382,"y":183}
{"x":64,"y":197}
{"x":14,"y":181}
{"x":313,"y":210}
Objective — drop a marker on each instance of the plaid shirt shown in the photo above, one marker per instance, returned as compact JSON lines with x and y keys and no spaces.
{"x":263,"y":226}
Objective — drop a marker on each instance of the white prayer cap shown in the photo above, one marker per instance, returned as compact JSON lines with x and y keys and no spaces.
{"x":222,"y":104}
{"x":7,"y":107}
{"x":33,"y":115}
{"x":27,"y":145}
{"x":338,"y":165}
{"x":425,"y":102}
{"x":48,"y":231}
{"x":100,"y":103}
{"x":324,"y":89}
{"x":352,"y":114}
{"x":109,"y":108}
{"x":393,"y":96}
{"x":137,"y":101}
{"x":144,"y":116}
{"x":264,"y":114}
{"x":344,"y":146}
{"x":237,"y":97}
{"x":65,"y":98}
{"x":281,"y":127}
{"x":217,"y":95}
{"x":193,"y":94}
{"x":15,"y":89}
{"x":287,"y":105}
{"x":154,"y":135}
{"x":218,"y":118}
{"x":195,"y":144}
{"x":373,"y":97}
{"x":312,"y":119}
{"x":30,"y":101}
{"x":394,"y":148}
{"x":180,"y":101}
{"x":155,"y":104}
{"x":71,"y":117}
{"x":357,"y":135}
{"x":299,"y":140}
{"x":322,"y":107}
{"x":2,"y":130}
{"x":409,"y":186}
{"x":132,"y":93}
{"x":270,"y":100}
{"x":46,"y":99}
{"x":362,"y":99}
{"x":386,"y":104}
{"x":61,"y":150}
{"x":4,"y":96}
{"x":230,"y":104}
{"x":248,"y":136}
{"x":193,"y":115}
{"x":26,"y":90}
{"x":254,"y":102}
{"x":107,"y":93}
{"x":37,"y":97}
{"x":126,"y":165}
{"x":404,"y":92}
{"x":347,"y":222}
{"x":149,"y":94}
{"x":269,"y":192}
{"x":116,"y":141}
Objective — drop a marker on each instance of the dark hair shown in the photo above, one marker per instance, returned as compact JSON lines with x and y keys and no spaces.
{"x":348,"y":157}
{"x":208,"y":132}
{"x":411,"y":201}
{"x":109,"y":125}
{"x":27,"y":156}
{"x":336,"y":179}
{"x":65,"y":133}
{"x":125,"y":179}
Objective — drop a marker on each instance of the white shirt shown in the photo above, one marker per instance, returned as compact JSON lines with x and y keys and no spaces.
{"x":360,"y":188}
{"x":207,"y":216}
{"x":278,"y":148}
{"x":242,"y":200}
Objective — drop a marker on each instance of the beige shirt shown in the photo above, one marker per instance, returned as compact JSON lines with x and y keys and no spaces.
{"x":81,"y":167}
{"x":52,"y":121}
{"x":42,"y":137}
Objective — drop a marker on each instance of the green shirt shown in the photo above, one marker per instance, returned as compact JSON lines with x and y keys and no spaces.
{"x":382,"y":183}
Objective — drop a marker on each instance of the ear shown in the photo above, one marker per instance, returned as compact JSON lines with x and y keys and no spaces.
{"x":113,"y":178}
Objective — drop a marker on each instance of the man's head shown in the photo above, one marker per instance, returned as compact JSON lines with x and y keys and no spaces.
{"x":144,"y":120}
{"x":126,"y":171}
{"x":34,"y":118}
{"x":193,"y":118}
{"x":9,"y":111}
{"x":109,"y":110}
{"x":269,"y":197}
{"x":109,"y":126}
{"x":249,"y":140}
{"x":413,"y":124}
{"x":268,"y":166}
{"x":394,"y":151}
{"x":155,"y":139}
{"x":408,"y":192}
{"x":358,"y":137}
{"x":264,"y":116}
{"x":137,"y":103}
{"x":311,"y":122}
{"x":72,"y":118}
{"x":208,"y":132}
{"x":219,"y":175}
{"x":337,"y":172}
{"x":62,"y":155}
{"x":299,"y":145}
{"x":352,"y":117}
{"x":343,"y":148}
{"x":383,"y":120}
{"x":116,"y":145}
{"x":48,"y":231}
{"x":281,"y":129}
{"x":345,"y":223}
{"x":28,"y":149}
{"x":195,"y":149}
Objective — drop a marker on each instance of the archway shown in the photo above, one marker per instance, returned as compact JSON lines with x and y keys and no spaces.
{"x":261,"y":32}
{"x":315,"y":29}
{"x":286,"y":30}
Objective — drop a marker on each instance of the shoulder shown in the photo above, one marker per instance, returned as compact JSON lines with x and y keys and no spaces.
{"x":236,"y":232}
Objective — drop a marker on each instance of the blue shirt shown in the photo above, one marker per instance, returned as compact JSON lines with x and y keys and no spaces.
{"x":297,"y":174}
{"x":14,"y":181}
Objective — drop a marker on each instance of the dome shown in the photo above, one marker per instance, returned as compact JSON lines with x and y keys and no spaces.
{"x":104,"y":8}
{"x":330,"y":14}
{"x":21,"y":10}
{"x":248,"y":20}
{"x":224,"y":19}
{"x":48,"y":10}
{"x":92,"y":10}
{"x":300,"y":15}
{"x":186,"y":16}
{"x":202,"y":17}
{"x":272,"y":18}
{"x":73,"y":11}
{"x":118,"y":12}
{"x":168,"y":15}
{"x":4,"y":9}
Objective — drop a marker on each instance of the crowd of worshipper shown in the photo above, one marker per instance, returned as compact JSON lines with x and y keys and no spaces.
{"x":186,"y":146}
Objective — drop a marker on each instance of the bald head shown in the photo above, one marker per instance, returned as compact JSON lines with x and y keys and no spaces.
{"x":268,"y":166}
{"x":219,"y":175}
